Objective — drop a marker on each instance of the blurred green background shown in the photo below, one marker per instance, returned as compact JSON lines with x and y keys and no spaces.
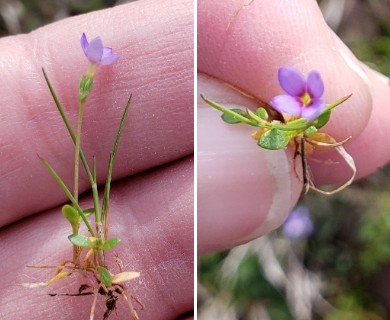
{"x":342,"y":270}
{"x":21,"y":16}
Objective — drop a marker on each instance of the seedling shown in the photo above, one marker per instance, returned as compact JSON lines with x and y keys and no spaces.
{"x":89,"y":250}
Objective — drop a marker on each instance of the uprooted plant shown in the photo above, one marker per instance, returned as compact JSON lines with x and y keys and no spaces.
{"x":301,"y":113}
{"x":89,"y":257}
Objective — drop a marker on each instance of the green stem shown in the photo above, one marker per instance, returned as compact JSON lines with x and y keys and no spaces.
{"x":77,"y":152}
{"x":68,"y":126}
{"x":69,"y":194}
{"x":106,"y":196}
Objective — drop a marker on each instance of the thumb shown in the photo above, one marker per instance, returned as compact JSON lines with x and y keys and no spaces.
{"x":244,"y":191}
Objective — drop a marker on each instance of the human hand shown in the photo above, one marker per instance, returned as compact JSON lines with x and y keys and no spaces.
{"x":243,"y":190}
{"x":152,"y":196}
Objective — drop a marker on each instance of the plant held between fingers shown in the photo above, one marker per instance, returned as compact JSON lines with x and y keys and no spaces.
{"x":301,"y":114}
{"x":89,"y":250}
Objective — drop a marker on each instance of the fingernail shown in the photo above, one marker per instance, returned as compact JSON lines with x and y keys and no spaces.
{"x":353,"y":63}
{"x":286,"y":191}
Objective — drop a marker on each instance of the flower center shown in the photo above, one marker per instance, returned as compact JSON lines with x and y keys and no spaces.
{"x":306,"y":99}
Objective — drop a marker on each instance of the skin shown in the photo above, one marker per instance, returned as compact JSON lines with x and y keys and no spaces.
{"x":152,"y":194}
{"x":244,"y":191}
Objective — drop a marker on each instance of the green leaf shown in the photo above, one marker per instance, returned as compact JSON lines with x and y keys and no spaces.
{"x":67,"y":124}
{"x":224,"y":110}
{"x":85,"y":87}
{"x":330,"y":106}
{"x":233,"y":120}
{"x":111,"y":243}
{"x":107,"y":187}
{"x":72,"y":216}
{"x":322,"y":119}
{"x":274,"y":139}
{"x":105,"y":276}
{"x":68,"y":193}
{"x":311,"y":130}
{"x":262,"y":113}
{"x":89,"y":211}
{"x":80,"y":240}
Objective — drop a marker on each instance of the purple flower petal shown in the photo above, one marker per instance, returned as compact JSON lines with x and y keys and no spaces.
{"x":315,"y":85}
{"x":106,"y":52}
{"x":110,"y":59}
{"x":95,"y":50}
{"x":291,"y":81}
{"x":286,"y":104}
{"x":313,"y":110}
{"x":84,"y":43}
{"x":96,"y":53}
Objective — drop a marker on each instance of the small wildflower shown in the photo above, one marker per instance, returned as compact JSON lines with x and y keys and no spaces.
{"x":298,"y":224}
{"x":96,"y":53}
{"x":303,"y":97}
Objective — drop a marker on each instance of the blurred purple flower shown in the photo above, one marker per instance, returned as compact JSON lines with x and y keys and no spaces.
{"x":303,"y":97}
{"x":96,"y":53}
{"x":298,"y":224}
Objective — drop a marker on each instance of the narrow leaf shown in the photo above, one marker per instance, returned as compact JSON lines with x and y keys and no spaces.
{"x":124,"y":276}
{"x":106,"y":197}
{"x":67,"y":124}
{"x":68,"y":193}
{"x":59,"y":276}
{"x":330,"y":106}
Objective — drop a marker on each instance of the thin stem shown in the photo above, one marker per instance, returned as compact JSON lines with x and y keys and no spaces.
{"x":68,"y":126}
{"x":77,"y":152}
{"x":98,"y":217}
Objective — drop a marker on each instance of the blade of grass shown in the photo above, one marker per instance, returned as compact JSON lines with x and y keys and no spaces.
{"x":68,"y":193}
{"x":106,"y":197}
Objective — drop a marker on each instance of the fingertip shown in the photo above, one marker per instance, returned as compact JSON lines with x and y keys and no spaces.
{"x":370,"y":148}
{"x":243,"y":191}
{"x":247,"y":44}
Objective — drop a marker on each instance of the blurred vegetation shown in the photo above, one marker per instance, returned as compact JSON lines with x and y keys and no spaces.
{"x":21,"y":16}
{"x":342,"y":271}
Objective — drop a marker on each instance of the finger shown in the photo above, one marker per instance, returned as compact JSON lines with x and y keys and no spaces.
{"x":246,"y":45}
{"x":156,"y":66}
{"x":152,"y":214}
{"x":243,"y":191}
{"x":370,"y":148}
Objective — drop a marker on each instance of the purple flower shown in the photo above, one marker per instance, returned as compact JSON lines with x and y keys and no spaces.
{"x":96,"y":53}
{"x":298,"y":224}
{"x":303,"y":97}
